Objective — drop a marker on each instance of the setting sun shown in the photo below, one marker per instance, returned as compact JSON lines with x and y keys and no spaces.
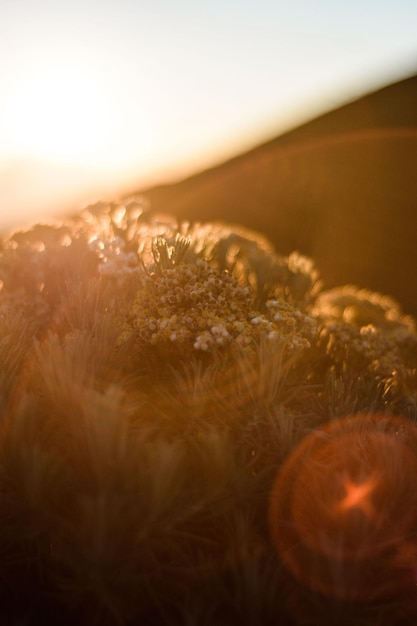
{"x":62,"y":112}
{"x":102,"y":98}
{"x":48,"y":116}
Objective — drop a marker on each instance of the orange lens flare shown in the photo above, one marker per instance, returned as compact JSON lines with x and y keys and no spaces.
{"x":358,"y":496}
{"x":343,"y":507}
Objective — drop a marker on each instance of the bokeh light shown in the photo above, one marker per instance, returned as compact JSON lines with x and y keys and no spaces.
{"x":343,"y":513}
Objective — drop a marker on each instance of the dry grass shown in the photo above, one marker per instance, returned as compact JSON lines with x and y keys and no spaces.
{"x":152,"y":481}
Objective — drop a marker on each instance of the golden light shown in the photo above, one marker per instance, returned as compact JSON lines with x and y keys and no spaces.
{"x":69,"y":133}
{"x":69,"y":110}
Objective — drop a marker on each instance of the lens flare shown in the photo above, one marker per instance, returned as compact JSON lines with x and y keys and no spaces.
{"x":358,"y":497}
{"x":343,"y":508}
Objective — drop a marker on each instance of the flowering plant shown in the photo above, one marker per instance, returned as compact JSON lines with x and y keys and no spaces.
{"x":157,"y":379}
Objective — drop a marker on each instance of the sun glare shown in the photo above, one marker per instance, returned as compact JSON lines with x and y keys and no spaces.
{"x":58,"y":111}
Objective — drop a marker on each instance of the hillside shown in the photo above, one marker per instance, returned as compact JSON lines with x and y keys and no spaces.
{"x":341,"y":188}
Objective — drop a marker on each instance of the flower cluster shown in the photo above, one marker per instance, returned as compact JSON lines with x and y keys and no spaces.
{"x":356,"y":349}
{"x":364,"y":330}
{"x":291,"y":322}
{"x":195,"y":306}
{"x":115,"y":261}
{"x":361,"y":307}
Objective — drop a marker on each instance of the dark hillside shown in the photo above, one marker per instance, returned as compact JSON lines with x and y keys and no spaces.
{"x":341,"y":188}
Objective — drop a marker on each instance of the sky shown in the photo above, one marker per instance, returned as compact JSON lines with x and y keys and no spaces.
{"x":98,"y":97}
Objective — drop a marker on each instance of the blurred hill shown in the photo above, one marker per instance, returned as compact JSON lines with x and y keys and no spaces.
{"x":341,"y":188}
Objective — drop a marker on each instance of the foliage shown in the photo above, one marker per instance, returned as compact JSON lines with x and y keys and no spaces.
{"x":157,"y":381}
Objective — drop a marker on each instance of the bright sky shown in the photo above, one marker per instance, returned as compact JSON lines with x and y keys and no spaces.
{"x":100,"y":95}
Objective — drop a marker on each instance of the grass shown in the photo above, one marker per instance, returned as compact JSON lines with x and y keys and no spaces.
{"x":194,"y":432}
